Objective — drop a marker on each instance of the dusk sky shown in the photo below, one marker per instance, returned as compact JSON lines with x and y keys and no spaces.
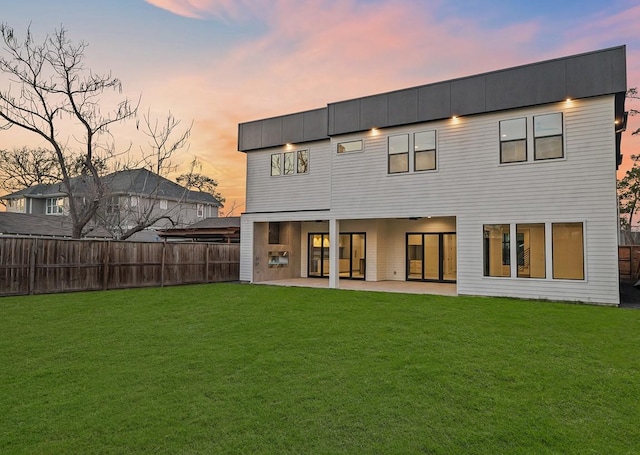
{"x":221,"y":62}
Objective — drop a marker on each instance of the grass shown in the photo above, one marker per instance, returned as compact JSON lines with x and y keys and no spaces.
{"x":230,"y":368}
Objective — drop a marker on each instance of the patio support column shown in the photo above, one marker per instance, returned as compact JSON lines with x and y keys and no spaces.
{"x":334,"y":263}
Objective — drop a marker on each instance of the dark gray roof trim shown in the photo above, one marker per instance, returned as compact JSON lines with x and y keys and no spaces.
{"x":305,"y":126}
{"x":596,"y":73}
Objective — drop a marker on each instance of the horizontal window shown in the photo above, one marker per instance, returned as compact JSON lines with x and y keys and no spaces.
{"x":290,"y":163}
{"x":351,"y":146}
{"x":531,"y":243}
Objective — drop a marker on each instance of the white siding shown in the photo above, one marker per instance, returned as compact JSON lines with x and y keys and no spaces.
{"x":471,"y":186}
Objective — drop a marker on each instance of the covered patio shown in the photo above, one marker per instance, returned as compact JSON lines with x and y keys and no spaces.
{"x":406,"y":287}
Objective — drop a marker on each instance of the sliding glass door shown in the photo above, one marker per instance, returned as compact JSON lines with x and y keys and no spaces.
{"x":351,"y":255}
{"x":431,"y":257}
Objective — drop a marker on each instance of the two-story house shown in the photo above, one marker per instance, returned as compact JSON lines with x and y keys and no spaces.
{"x":131,"y":197}
{"x":503,"y":183}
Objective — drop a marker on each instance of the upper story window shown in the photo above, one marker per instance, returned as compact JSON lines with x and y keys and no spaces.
{"x":134,"y":201}
{"x":398,"y":153}
{"x":200,"y":210}
{"x":547,"y":132}
{"x":17,"y":205}
{"x":113,"y":205}
{"x":164,"y":204}
{"x":55,"y":205}
{"x":513,"y":140}
{"x":351,"y":146}
{"x":547,"y":140}
{"x":424,"y":155}
{"x":290,"y":163}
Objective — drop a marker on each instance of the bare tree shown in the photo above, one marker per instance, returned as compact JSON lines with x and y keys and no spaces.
{"x":52,"y":95}
{"x":24,"y":167}
{"x":196,"y":180}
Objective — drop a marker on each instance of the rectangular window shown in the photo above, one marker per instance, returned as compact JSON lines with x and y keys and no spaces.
{"x":113,"y":205}
{"x":55,"y":205}
{"x":200,"y":210}
{"x":274,"y":233}
{"x":547,"y":131}
{"x":289,"y":163}
{"x":276,"y":167}
{"x":530,"y":246}
{"x":424,"y":146}
{"x":302,"y":166}
{"x":352,"y":146}
{"x":497,"y":250}
{"x":134,"y":201}
{"x":398,"y":154}
{"x":568,"y":251}
{"x":163,"y":204}
{"x":513,"y":140}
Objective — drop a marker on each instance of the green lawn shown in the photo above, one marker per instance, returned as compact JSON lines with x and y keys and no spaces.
{"x":232,"y":368}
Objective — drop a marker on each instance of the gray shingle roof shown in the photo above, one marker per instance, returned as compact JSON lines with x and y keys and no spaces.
{"x":140,"y":182}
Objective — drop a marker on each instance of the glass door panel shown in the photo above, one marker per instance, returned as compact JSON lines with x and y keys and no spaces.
{"x":414,"y":256}
{"x":449,"y":257}
{"x":431,"y":257}
{"x":345,"y":256}
{"x":358,"y":263}
{"x":315,"y":255}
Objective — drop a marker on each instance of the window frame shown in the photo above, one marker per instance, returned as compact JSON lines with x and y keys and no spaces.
{"x":276,"y":165}
{"x":345,"y":143}
{"x":416,"y":150}
{"x":53,"y":207}
{"x":511,"y":141}
{"x":299,"y":153}
{"x":547,"y":136}
{"x":391,"y":155}
{"x":582,"y":251}
{"x":274,"y":232}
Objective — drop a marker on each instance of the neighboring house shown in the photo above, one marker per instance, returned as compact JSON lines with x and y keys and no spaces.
{"x":23,"y":224}
{"x":503,"y":182}
{"x":219,"y":230}
{"x":130,"y":197}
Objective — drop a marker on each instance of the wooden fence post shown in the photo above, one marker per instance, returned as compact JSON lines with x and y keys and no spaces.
{"x":164,"y":245}
{"x":206,"y":264}
{"x":32,"y":267}
{"x":105,"y":267}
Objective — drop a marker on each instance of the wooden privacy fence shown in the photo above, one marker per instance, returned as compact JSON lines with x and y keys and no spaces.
{"x":629,"y":262}
{"x":40,"y":266}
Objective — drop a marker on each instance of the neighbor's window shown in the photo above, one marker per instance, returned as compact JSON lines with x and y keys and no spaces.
{"x":289,"y":163}
{"x":134,"y":201}
{"x":276,"y":166}
{"x":547,"y":131}
{"x":163,"y":204}
{"x":530,"y":250}
{"x":274,"y":233}
{"x":568,"y":251}
{"x":424,"y":154}
{"x":18,"y":205}
{"x":513,"y":140}
{"x":200,"y":210}
{"x":303,"y":162}
{"x":497,"y":250}
{"x":113,"y":205}
{"x":55,"y":205}
{"x":398,"y":154}
{"x":352,"y":146}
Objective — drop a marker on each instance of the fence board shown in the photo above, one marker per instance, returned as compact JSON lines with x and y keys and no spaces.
{"x":40,"y":266}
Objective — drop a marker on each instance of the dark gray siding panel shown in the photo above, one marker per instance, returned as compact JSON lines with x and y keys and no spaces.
{"x":536,"y":84}
{"x":315,"y":124}
{"x":434,"y":101}
{"x":588,"y":75}
{"x":403,"y":107}
{"x":591,"y":74}
{"x":468,"y":96}
{"x":250,"y":135}
{"x":272,"y":132}
{"x":373,"y":112}
{"x":293,"y":128}
{"x":344,"y":117}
